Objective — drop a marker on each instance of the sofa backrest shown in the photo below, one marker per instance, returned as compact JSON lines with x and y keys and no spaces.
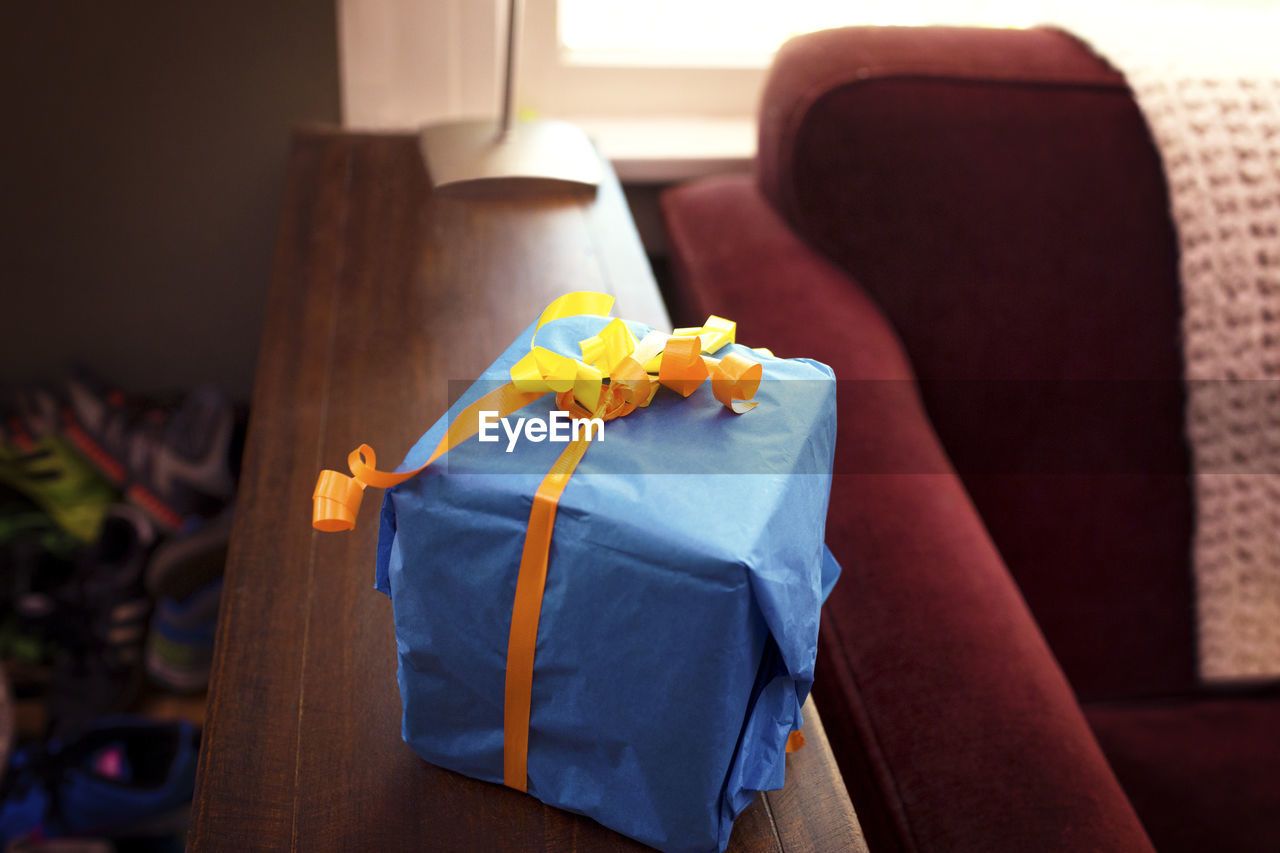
{"x":998,"y":193}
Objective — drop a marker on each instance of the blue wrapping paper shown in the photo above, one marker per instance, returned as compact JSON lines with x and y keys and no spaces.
{"x":679,"y":622}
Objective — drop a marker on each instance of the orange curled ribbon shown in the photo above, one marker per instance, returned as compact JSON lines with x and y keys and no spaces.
{"x":615,"y":376}
{"x":735,"y":380}
{"x":795,"y":741}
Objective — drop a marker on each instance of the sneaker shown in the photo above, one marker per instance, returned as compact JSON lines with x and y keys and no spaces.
{"x":180,"y":642}
{"x":185,"y":579}
{"x":124,"y":776}
{"x":174,"y":462}
{"x":36,"y":560}
{"x":103,"y":614}
{"x":21,"y":520}
{"x":36,"y":461}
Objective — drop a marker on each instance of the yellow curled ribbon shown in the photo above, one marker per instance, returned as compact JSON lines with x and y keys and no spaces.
{"x":615,"y":376}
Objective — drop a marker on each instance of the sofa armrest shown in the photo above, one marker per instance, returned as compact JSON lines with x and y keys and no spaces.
{"x":998,"y":195}
{"x":811,"y":71}
{"x":953,"y":725}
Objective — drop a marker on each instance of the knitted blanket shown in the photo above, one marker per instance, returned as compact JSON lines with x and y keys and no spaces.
{"x":1210,"y":93}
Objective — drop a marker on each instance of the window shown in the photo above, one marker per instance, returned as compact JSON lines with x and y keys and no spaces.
{"x":652,"y":80}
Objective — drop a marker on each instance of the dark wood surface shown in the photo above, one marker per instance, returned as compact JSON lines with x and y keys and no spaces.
{"x":383,"y":292}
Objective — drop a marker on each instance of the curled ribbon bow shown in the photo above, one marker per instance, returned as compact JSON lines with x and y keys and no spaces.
{"x":615,"y":376}
{"x":619,"y":371}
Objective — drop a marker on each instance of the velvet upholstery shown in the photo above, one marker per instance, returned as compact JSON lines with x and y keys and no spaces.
{"x":938,"y":691}
{"x":1204,"y":774}
{"x":999,"y":196}
{"x":971,"y":227}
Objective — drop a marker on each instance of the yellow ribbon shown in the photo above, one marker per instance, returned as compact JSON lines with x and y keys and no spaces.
{"x":615,"y":376}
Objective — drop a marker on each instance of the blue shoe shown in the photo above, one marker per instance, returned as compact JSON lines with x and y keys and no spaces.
{"x":125,"y":776}
{"x":180,"y":644}
{"x":185,"y":579}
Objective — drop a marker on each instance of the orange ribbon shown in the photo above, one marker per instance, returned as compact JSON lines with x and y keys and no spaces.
{"x":614,"y":379}
{"x":795,"y":741}
{"x":336,"y":499}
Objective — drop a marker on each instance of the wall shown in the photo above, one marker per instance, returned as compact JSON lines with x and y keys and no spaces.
{"x":143,"y":159}
{"x":409,"y":62}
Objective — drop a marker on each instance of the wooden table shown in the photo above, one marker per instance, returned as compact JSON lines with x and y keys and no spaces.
{"x":381,"y":293}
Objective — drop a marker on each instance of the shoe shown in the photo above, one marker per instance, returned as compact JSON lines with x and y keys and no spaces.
{"x":103,"y":612}
{"x":36,"y":461}
{"x":185,"y":579}
{"x":36,"y":560}
{"x":21,"y":520}
{"x":174,"y":462}
{"x":124,"y":776}
{"x":180,"y":642}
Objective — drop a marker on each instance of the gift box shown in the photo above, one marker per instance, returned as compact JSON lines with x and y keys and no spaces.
{"x":622,"y":623}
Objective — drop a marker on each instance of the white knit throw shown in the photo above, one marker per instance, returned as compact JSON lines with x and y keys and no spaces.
{"x":1210,"y":94}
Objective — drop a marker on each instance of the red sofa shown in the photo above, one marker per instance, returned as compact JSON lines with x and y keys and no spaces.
{"x":971,"y":227}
